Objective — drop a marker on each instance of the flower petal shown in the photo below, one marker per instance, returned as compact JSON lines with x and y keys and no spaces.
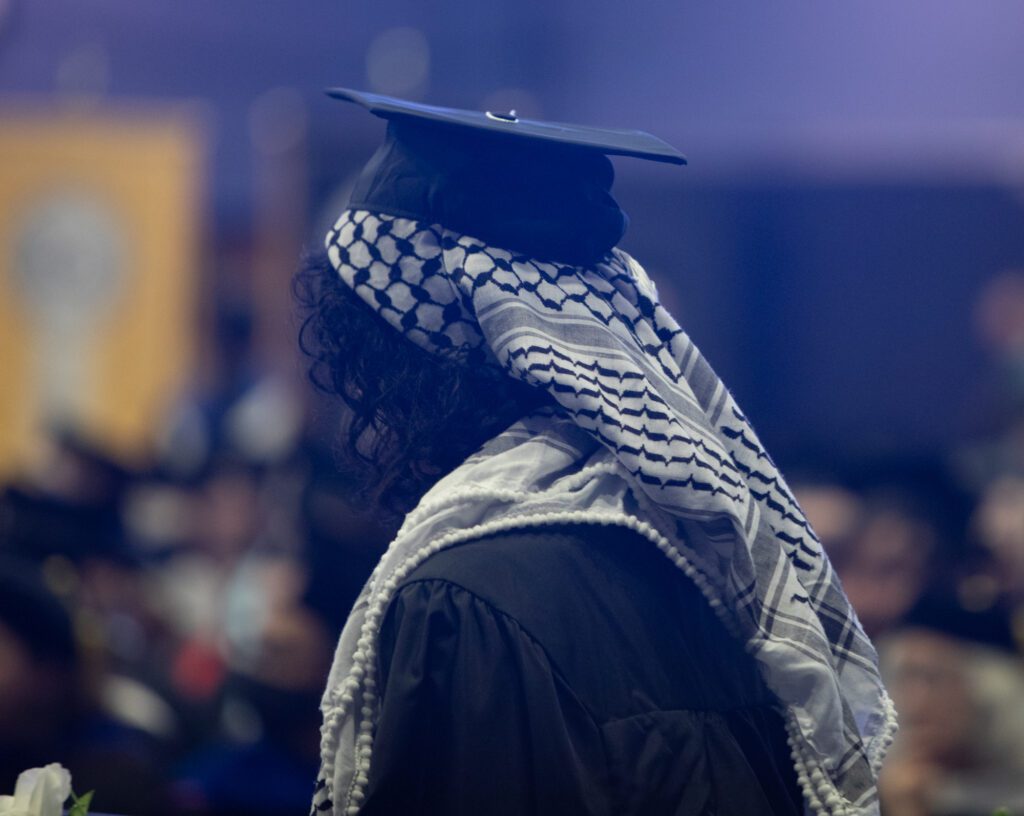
{"x":41,"y":791}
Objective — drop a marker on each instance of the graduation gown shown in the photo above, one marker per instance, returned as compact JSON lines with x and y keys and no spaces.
{"x":569,"y":670}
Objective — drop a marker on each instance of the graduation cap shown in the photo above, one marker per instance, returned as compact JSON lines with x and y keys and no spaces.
{"x":611,"y":142}
{"x":540,"y":188}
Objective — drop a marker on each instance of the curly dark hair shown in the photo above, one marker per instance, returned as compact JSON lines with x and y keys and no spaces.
{"x":413,"y":416}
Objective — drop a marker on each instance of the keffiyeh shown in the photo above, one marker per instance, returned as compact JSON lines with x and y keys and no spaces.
{"x":645,"y":436}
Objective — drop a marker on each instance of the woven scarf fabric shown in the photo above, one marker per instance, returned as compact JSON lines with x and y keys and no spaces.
{"x":645,"y":436}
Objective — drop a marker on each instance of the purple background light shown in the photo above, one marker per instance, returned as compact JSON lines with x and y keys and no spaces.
{"x":855,"y":170}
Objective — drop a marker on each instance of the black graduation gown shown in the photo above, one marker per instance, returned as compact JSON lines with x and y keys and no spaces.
{"x":569,"y":671}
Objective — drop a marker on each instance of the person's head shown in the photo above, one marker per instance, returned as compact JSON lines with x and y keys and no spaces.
{"x":956,"y":680}
{"x":38,"y":662}
{"x":412,"y":416}
{"x":538,"y":190}
{"x":892,"y":533}
{"x":999,"y":525}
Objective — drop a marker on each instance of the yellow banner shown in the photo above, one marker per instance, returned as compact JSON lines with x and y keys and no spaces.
{"x":99,"y":246}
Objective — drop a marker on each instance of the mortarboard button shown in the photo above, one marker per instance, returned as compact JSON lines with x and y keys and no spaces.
{"x":509,"y":117}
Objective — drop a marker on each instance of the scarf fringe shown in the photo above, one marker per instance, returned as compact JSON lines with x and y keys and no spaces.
{"x":360,"y":686}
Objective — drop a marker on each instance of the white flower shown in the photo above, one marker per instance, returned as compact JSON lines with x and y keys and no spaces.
{"x":38,"y":792}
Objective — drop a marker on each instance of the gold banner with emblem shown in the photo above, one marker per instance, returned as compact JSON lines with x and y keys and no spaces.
{"x":99,"y":253}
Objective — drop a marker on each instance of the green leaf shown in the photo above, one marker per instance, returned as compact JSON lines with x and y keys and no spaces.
{"x":80,"y":804}
{"x":1001,"y":812}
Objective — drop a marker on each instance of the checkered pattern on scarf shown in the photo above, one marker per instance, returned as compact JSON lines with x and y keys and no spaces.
{"x":617,"y":363}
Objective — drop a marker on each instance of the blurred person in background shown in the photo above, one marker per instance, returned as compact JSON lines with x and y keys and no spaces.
{"x":958,"y":681}
{"x":65,"y":520}
{"x":40,"y":688}
{"x":998,"y":525}
{"x":895,"y":530}
{"x":195,"y":656}
{"x":998,"y":318}
{"x":248,"y":654}
{"x":267,"y":714}
{"x":992,"y":462}
{"x":67,"y":513}
{"x":224,"y":520}
{"x":52,"y":706}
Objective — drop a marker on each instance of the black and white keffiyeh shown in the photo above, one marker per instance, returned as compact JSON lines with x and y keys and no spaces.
{"x":646,"y":437}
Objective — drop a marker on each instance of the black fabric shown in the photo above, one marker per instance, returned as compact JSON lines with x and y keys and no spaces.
{"x":546,"y":201}
{"x":35,"y":615}
{"x":568,"y":672}
{"x":939,"y":612}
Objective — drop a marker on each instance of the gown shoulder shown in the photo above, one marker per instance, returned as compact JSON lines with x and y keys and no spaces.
{"x":568,"y":671}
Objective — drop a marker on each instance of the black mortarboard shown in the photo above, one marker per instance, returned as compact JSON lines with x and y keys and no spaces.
{"x":611,"y":142}
{"x":538,"y":188}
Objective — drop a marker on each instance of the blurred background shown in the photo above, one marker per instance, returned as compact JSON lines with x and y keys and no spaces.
{"x":178,"y":550}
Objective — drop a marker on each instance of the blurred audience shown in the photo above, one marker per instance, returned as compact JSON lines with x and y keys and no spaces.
{"x":932,"y":557}
{"x":165,"y":634}
{"x":893,"y":529}
{"x":957,"y":681}
{"x":53,"y":706}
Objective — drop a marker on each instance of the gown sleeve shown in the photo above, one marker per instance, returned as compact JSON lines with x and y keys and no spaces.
{"x":474,"y":718}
